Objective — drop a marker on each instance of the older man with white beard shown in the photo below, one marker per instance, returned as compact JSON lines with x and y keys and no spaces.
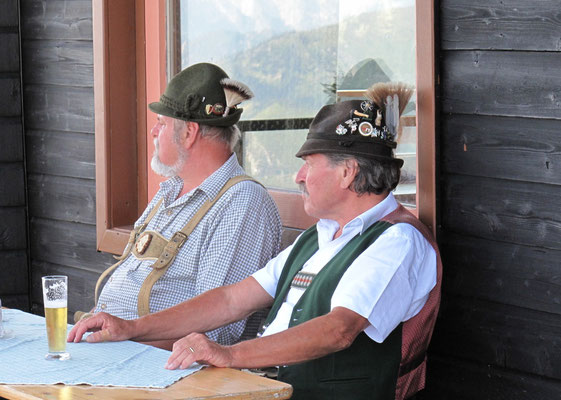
{"x":209,"y":225}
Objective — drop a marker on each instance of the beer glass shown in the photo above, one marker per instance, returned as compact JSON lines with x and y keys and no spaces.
{"x":55,"y":297}
{"x":4,"y":333}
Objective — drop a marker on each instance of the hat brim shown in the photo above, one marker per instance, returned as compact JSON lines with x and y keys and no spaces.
{"x":367,"y":150}
{"x":229,"y":120}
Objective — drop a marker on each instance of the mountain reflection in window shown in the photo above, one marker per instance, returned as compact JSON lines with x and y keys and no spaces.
{"x":297,"y":56}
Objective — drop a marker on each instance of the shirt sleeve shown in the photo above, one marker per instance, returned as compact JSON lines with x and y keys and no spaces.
{"x":390,"y":281}
{"x":245,"y":235}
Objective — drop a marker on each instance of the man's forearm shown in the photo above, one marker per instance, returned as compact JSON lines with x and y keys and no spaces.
{"x":203,"y":313}
{"x":310,"y":340}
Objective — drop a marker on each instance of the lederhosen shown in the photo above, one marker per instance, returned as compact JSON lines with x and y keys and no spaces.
{"x":151,"y":245}
{"x":394,"y":369}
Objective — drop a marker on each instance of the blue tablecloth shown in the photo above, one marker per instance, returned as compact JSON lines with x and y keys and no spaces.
{"x":105,"y":364}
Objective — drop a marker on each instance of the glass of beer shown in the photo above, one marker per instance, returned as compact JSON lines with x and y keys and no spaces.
{"x":55,"y":298}
{"x":4,"y":333}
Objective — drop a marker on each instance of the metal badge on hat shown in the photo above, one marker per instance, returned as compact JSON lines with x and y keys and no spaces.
{"x":365,"y":128}
{"x":366,"y":106}
{"x":379,"y":116}
{"x":361,"y":122}
{"x":216,"y":109}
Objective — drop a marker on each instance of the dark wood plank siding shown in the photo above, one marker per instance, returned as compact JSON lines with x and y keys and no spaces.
{"x":58,"y":19}
{"x":59,"y":123}
{"x":502,"y":83}
{"x":488,"y":382}
{"x":501,"y":25}
{"x":503,"y":148}
{"x":60,"y":153}
{"x":499,"y":332}
{"x":14,"y":288}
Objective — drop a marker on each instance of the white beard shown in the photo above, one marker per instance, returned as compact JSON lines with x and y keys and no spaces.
{"x":167,"y":170}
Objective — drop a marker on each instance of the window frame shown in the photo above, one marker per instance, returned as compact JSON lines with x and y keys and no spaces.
{"x":130,"y":71}
{"x":124,"y":78}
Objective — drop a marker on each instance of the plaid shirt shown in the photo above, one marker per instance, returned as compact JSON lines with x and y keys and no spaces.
{"x":237,"y":236}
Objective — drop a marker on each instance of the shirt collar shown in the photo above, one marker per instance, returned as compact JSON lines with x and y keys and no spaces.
{"x":170,"y":189}
{"x":210,"y":186}
{"x":327,"y":227}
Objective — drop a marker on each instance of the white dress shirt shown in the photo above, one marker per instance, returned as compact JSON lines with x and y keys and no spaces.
{"x":387,"y":284}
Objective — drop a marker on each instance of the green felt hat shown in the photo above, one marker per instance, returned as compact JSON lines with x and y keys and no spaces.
{"x":199,"y":93}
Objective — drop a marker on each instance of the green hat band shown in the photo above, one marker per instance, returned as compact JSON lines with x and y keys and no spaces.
{"x":196,"y":94}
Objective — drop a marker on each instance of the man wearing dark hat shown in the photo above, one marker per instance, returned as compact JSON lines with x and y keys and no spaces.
{"x":209,"y":225}
{"x":353,"y":300}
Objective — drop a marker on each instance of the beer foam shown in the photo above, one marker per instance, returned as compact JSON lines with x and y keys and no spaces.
{"x":59,"y":303}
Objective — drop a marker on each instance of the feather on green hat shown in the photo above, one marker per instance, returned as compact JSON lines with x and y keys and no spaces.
{"x":205,"y":94}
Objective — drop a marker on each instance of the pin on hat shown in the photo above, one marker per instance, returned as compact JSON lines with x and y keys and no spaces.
{"x":366,"y":128}
{"x":205,"y":94}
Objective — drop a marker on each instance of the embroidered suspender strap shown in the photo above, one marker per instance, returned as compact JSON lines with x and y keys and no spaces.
{"x":167,"y":256}
{"x":132,"y":238}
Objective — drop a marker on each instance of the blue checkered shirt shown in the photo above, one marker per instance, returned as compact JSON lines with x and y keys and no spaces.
{"x":236,"y":237}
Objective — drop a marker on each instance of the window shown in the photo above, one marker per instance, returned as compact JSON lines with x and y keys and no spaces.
{"x":296,"y":57}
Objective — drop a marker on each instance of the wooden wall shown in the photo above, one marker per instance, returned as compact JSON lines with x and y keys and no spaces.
{"x":499,"y":334}
{"x":59,"y":131}
{"x":13,"y":226}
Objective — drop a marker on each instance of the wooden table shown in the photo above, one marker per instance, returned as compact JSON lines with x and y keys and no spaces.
{"x":208,"y":383}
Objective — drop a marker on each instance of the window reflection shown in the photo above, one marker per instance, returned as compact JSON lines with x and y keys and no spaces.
{"x":269,"y":157}
{"x":297,"y":56}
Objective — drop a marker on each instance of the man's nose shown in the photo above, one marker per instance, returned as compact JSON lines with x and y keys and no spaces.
{"x":155,"y":130}
{"x":301,"y":175}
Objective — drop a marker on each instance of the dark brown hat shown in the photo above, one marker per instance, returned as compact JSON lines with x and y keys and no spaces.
{"x":350,"y":127}
{"x":365,"y":128}
{"x":205,"y":94}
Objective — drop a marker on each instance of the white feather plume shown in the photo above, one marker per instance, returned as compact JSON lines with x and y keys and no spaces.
{"x":235,"y":93}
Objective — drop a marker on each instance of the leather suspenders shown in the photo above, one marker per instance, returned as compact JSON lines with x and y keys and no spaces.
{"x":170,"y":249}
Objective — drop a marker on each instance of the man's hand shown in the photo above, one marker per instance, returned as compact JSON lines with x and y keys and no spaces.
{"x":197,"y":347}
{"x":106,"y":328}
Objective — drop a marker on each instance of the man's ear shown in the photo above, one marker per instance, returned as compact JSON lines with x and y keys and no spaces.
{"x":190,"y":134}
{"x":348,"y":173}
